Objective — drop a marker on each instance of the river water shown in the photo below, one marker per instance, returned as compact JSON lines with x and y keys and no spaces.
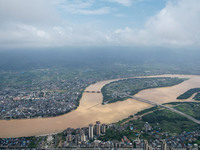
{"x":91,"y":110}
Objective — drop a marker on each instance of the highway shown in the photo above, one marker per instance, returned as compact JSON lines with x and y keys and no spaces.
{"x":170,"y":108}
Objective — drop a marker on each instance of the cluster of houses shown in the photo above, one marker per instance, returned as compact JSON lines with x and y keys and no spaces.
{"x":89,"y":137}
{"x":41,"y":99}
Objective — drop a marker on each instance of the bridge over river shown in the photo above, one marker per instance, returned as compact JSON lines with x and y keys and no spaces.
{"x":164,"y":106}
{"x":91,"y":109}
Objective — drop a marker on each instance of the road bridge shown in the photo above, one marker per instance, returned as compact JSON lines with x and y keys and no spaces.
{"x":164,"y":106}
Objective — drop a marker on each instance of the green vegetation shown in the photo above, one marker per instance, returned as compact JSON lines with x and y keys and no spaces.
{"x":197,"y":141}
{"x":117,"y":132}
{"x":116,"y":91}
{"x":59,"y":138}
{"x":161,"y":121}
{"x":147,"y":110}
{"x":169,"y":121}
{"x":123,"y":120}
{"x":35,"y":141}
{"x":189,"y":93}
{"x":111,"y":134}
{"x":197,"y":97}
{"x":172,"y":122}
{"x":192,"y":109}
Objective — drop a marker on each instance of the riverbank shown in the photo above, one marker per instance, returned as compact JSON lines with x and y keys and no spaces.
{"x":90,"y":109}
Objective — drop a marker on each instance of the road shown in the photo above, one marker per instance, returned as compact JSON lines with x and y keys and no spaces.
{"x":170,"y":108}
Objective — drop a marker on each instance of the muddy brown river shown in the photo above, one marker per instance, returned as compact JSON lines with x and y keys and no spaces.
{"x":91,"y":110}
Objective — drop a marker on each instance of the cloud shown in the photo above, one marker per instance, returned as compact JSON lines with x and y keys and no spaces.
{"x":32,"y":11}
{"x":123,"y":2}
{"x":82,"y":7}
{"x":39,"y":23}
{"x":120,"y":15}
{"x":23,"y":35}
{"x":177,"y":24}
{"x":100,"y":11}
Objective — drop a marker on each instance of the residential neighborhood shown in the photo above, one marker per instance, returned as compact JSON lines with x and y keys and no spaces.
{"x":90,"y":137}
{"x":41,"y":98}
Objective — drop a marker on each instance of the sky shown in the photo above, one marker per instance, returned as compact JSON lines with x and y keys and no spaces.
{"x":60,"y":23}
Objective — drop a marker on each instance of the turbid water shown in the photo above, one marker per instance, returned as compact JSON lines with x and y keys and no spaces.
{"x":91,"y":110}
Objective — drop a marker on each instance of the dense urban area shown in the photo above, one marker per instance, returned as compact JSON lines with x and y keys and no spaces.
{"x":153,"y":128}
{"x":51,"y":97}
{"x":43,"y":92}
{"x":46,"y":85}
{"x":41,"y":99}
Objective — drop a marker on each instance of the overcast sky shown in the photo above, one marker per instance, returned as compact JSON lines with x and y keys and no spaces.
{"x":52,"y":23}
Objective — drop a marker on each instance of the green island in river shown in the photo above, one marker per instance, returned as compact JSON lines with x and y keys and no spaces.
{"x":189,"y":93}
{"x":116,"y":91}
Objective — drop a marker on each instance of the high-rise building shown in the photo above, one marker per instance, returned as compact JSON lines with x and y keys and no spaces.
{"x":69,"y":135}
{"x":98,"y":128}
{"x":69,"y":138}
{"x":83,"y":138}
{"x":163,"y":145}
{"x":103,"y":129}
{"x":145,"y":145}
{"x":150,"y":148}
{"x":77,"y":136}
{"x":91,"y":135}
{"x":171,"y":148}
